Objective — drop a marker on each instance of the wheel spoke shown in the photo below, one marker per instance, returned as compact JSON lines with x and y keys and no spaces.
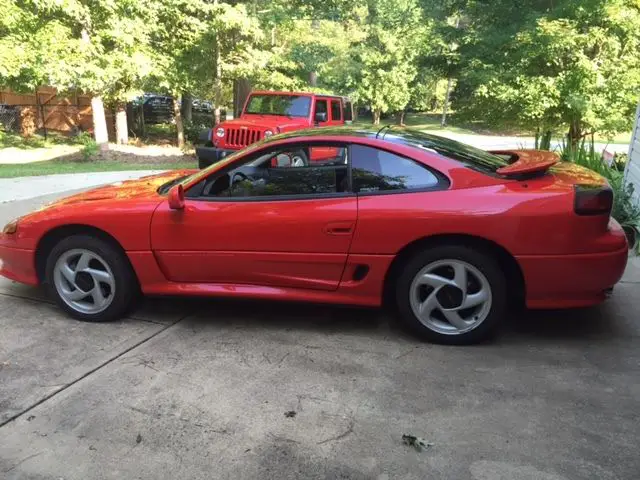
{"x":475,"y":299}
{"x":454,"y":318}
{"x":98,"y":298}
{"x":435,"y":281}
{"x":460,"y":276}
{"x":68,"y":273}
{"x":100,"y":276}
{"x":429,"y":304}
{"x":83,"y":261}
{"x":76,"y":294}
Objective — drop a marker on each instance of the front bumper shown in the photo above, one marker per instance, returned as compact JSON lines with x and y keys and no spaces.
{"x":18,"y":264}
{"x":210,"y":155}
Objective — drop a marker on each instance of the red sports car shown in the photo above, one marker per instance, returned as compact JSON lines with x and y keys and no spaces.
{"x":450,"y":234}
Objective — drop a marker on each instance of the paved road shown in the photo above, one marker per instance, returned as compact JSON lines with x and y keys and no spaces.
{"x":24,"y":188}
{"x":199,"y":389}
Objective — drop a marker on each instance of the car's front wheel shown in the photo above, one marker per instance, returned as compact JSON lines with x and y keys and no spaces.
{"x":90,"y":279}
{"x":452,"y":295}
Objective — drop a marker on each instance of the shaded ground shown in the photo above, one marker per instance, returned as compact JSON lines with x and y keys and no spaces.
{"x":200,"y":388}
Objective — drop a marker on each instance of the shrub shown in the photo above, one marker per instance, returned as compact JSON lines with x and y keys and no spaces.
{"x":192,"y":131}
{"x":625,"y":208}
{"x":89,"y":146}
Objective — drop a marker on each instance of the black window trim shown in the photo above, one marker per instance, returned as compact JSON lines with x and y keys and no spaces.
{"x":279,"y":198}
{"x":444,"y":183}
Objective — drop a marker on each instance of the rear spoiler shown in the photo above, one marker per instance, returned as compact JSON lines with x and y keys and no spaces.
{"x":526,"y":162}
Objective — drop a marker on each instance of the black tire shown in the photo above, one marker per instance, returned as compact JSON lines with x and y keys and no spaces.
{"x":479,"y":259}
{"x":303,"y":156}
{"x":127,"y":288}
{"x":202,"y":164}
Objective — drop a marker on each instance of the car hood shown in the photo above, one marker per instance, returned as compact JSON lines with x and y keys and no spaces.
{"x":128,"y":189}
{"x":265,"y":122}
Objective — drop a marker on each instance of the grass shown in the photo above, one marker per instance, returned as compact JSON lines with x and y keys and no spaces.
{"x":431,"y":122}
{"x":12,"y":139}
{"x":66,"y":166}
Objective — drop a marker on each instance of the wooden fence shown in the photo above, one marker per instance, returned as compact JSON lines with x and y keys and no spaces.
{"x":45,"y":111}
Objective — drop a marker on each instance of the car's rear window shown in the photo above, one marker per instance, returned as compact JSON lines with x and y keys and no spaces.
{"x":470,"y":156}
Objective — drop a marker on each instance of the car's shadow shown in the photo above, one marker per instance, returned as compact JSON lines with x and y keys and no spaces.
{"x":605,"y":322}
{"x":610,"y":321}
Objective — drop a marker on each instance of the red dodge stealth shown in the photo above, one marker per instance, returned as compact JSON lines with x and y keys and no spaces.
{"x":449,"y":234}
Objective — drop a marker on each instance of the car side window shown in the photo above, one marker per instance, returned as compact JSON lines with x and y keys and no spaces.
{"x":285,"y":171}
{"x":336,"y":112}
{"x":321,"y":107}
{"x":375,"y":170}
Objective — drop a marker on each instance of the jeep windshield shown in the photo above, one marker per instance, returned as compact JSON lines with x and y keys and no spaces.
{"x":287,"y":105}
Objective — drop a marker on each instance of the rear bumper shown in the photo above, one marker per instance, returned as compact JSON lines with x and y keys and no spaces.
{"x":210,"y":155}
{"x":18,"y":264}
{"x":568,"y":281}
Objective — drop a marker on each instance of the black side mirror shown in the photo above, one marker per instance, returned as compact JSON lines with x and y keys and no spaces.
{"x":321,"y":117}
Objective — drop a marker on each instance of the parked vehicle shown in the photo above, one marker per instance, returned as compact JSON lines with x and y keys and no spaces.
{"x":448,"y":233}
{"x":269,"y":113}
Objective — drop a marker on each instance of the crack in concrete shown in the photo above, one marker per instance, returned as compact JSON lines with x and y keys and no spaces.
{"x":93,"y":370}
{"x":22,"y":461}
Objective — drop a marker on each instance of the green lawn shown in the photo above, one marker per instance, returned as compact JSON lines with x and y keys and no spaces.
{"x":65,"y":166}
{"x":12,"y":139}
{"x":431,"y":122}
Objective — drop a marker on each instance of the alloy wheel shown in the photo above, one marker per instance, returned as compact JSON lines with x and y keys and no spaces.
{"x":84,"y":281}
{"x":450,"y":297}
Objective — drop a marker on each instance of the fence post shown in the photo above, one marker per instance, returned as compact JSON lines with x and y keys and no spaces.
{"x":40,"y":108}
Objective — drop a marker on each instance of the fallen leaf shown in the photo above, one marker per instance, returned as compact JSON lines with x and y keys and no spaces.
{"x":416,"y":442}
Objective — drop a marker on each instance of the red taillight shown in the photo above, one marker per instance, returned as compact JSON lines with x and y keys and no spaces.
{"x":593,"y":200}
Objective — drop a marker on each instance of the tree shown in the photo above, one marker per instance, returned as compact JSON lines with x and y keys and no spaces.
{"x":548,"y":66}
{"x":97,"y":47}
{"x":198,"y":45}
{"x":383,"y":62}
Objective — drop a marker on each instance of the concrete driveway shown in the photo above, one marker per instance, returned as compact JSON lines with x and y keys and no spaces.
{"x":220,"y":389}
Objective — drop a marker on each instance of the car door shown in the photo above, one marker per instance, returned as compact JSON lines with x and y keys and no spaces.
{"x":336,"y":112}
{"x":277,"y":226}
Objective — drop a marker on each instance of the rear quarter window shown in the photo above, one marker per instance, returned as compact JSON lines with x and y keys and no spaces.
{"x":375,"y":170}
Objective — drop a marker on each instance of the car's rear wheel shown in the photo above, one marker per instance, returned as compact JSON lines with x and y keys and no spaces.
{"x":452,"y":295}
{"x":90,"y":279}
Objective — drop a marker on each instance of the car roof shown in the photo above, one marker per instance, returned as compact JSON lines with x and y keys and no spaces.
{"x":389,"y":133}
{"x":300,"y":94}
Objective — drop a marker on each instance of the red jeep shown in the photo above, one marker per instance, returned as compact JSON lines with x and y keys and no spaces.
{"x":269,"y":113}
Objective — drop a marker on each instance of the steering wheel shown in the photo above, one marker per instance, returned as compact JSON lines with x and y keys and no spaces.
{"x":232,"y":178}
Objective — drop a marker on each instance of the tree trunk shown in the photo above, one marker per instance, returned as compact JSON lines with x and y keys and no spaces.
{"x":376,"y":117}
{"x":122,"y":130}
{"x":575,"y":133}
{"x":313,"y":75}
{"x":401,"y":118}
{"x":241,"y":90}
{"x":99,"y":123}
{"x":445,"y":107}
{"x":179,"y":126}
{"x":187,"y":107}
{"x":217,"y":87}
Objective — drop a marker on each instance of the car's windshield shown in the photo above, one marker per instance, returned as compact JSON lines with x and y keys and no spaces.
{"x":470,"y":156}
{"x":290,"y":105}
